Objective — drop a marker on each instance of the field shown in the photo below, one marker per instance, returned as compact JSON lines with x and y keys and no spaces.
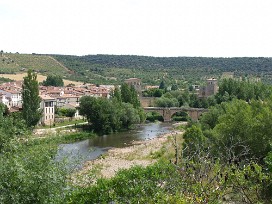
{"x":40,"y":78}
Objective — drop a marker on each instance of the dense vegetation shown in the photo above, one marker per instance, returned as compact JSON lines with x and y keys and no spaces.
{"x":122,"y":111}
{"x":53,"y":80}
{"x":113,"y":69}
{"x":172,"y":69}
{"x":225,"y":157}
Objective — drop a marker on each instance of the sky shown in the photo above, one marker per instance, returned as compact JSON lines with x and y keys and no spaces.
{"x":164,"y":28}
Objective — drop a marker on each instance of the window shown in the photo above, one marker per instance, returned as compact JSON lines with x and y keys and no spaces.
{"x":49,"y":104}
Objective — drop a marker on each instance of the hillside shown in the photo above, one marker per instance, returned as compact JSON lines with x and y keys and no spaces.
{"x":154,"y":69}
{"x":113,"y":69}
{"x":13,"y":63}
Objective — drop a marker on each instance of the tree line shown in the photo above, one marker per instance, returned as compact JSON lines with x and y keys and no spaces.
{"x":121,"y":111}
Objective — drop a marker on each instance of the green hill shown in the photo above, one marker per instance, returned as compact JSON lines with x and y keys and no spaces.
{"x":113,"y":69}
{"x":153,"y":69}
{"x":7,"y":65}
{"x":12,"y":63}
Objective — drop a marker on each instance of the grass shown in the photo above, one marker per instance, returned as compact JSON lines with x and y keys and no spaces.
{"x":40,"y":63}
{"x":40,"y":78}
{"x":72,"y":122}
{"x":14,"y":66}
{"x":60,"y":138}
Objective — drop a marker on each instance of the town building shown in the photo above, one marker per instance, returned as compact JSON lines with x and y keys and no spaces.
{"x":12,"y":93}
{"x":136,"y":83}
{"x":210,"y":89}
{"x":3,"y":99}
{"x":48,"y":110}
{"x":51,"y":97}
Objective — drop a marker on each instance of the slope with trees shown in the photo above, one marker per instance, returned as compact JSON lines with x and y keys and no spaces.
{"x":153,"y":69}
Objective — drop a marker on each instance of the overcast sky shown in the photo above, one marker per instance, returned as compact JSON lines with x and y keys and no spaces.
{"x":214,"y":28}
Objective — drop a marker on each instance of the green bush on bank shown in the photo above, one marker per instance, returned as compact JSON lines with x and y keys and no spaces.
{"x":158,"y":183}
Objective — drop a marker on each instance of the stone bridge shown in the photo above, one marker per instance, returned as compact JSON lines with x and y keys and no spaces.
{"x":167,"y":113}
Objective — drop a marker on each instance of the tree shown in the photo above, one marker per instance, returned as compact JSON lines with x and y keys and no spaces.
{"x":29,"y":174}
{"x":70,"y":112}
{"x":162,"y":85}
{"x":31,"y":100}
{"x":125,"y":93}
{"x":129,"y":95}
{"x":117,"y":94}
{"x":134,"y":98}
{"x":194,"y":141}
{"x":129,"y":115}
{"x":53,"y":80}
{"x":174,"y":87}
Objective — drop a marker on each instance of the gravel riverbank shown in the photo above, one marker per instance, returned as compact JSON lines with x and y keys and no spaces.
{"x":139,"y":153}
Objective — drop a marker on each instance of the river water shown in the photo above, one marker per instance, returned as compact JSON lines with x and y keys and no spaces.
{"x":77,"y":153}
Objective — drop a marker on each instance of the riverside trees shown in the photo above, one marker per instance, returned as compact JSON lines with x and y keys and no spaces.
{"x":112,"y":115}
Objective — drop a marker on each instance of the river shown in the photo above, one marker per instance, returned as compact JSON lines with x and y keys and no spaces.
{"x":79,"y":152}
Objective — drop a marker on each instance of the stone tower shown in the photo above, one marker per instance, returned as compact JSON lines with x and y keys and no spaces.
{"x":136,"y":83}
{"x":210,"y":89}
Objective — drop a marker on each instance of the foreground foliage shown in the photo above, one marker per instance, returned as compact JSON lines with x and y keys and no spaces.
{"x":154,"y":184}
{"x":30,"y":175}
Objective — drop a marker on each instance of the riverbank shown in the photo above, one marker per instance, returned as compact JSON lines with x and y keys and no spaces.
{"x":143,"y":153}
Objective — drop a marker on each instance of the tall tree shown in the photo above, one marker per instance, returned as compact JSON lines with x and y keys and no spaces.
{"x":125,"y":93}
{"x":134,"y":98}
{"x":31,"y":99}
{"x":117,"y":94}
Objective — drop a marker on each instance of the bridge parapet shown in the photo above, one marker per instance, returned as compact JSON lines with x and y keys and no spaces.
{"x":167,"y":113}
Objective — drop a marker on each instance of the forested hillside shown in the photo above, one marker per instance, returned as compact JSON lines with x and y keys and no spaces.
{"x":152,"y":69}
{"x":113,"y":69}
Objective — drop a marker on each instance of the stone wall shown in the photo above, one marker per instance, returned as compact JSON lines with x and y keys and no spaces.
{"x":147,"y":101}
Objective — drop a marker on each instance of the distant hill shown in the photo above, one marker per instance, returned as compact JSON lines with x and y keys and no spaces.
{"x":13,"y":63}
{"x":113,"y":69}
{"x":153,"y":69}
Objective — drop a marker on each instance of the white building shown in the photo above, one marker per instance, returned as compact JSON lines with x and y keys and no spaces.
{"x":14,"y":97}
{"x":48,"y":108}
{"x":3,"y":99}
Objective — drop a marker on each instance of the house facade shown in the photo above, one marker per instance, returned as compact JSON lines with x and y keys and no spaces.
{"x":48,"y":110}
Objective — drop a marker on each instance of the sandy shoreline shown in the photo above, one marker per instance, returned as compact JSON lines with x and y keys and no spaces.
{"x":139,"y":153}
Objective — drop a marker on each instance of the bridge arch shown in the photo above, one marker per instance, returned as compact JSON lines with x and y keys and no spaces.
{"x":153,"y":116}
{"x":194,"y":113}
{"x":180,"y":116}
